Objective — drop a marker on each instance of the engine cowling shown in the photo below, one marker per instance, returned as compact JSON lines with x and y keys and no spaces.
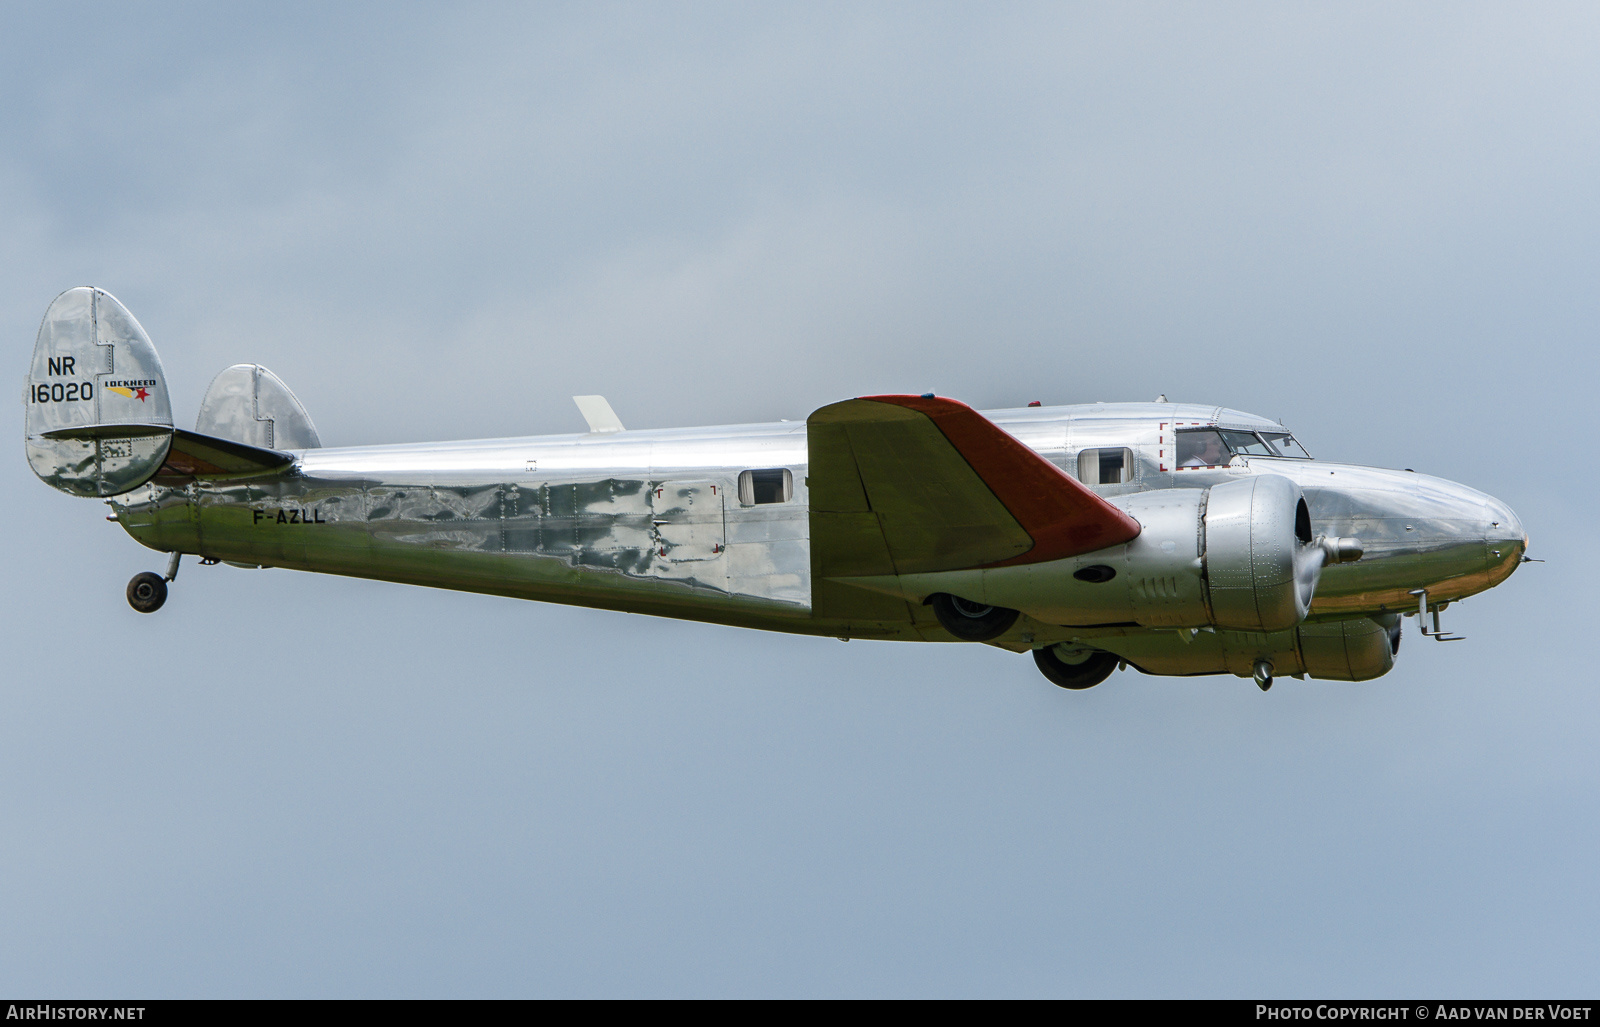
{"x":1261,"y":567}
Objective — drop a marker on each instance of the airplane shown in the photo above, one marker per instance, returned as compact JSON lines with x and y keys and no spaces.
{"x":1173,"y":538}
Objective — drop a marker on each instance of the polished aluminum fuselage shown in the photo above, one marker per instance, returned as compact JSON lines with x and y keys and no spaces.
{"x":652,"y":521}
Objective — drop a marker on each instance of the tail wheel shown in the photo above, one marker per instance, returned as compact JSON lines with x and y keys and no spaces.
{"x":971,"y":622}
{"x":1075,"y":667}
{"x":147,"y":591}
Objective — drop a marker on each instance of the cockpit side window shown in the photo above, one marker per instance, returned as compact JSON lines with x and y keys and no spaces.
{"x":1202,"y":448}
{"x":1285,"y":444}
{"x":1213,"y":447}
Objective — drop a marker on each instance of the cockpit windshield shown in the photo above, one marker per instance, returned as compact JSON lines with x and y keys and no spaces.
{"x":1285,"y":444}
{"x":1212,"y":447}
{"x":1247,"y":443}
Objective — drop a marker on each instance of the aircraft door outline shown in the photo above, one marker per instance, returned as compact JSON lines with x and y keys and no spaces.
{"x":689,"y":530}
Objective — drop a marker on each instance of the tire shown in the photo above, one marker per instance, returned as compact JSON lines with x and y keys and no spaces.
{"x":971,"y":622}
{"x":1093,"y":667}
{"x":147,"y":591}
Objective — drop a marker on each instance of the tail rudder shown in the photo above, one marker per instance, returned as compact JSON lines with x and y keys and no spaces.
{"x":98,"y":421}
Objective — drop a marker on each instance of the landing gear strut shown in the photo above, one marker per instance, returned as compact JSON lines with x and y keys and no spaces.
{"x":1074,"y":667}
{"x":148,"y":590}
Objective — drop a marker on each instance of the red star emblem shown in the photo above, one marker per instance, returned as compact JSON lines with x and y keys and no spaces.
{"x":141,"y":395}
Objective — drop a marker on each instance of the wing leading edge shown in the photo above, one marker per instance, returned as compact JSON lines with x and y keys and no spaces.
{"x":913,"y":484}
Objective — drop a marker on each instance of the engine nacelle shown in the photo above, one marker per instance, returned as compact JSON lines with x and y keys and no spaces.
{"x":1357,"y":649}
{"x":1239,"y":555}
{"x":1251,"y":563}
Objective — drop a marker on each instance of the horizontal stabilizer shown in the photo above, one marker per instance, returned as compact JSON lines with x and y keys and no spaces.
{"x":205,"y":457}
{"x":90,"y":432}
{"x":912,"y":484}
{"x":191,"y":455}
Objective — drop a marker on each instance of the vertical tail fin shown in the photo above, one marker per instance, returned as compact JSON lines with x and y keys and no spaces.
{"x":98,"y":419}
{"x":248,"y":403}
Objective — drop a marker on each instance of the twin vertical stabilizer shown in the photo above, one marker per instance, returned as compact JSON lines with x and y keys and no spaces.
{"x":98,"y":420}
{"x":248,"y":403}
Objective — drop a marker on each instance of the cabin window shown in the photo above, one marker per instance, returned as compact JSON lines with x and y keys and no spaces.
{"x":1105,"y":466}
{"x":767,"y":485}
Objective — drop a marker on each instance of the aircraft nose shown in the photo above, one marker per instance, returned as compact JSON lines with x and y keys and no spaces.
{"x":1505,"y":540}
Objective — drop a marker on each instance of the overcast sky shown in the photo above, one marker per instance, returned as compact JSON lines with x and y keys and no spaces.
{"x":1378,"y":222}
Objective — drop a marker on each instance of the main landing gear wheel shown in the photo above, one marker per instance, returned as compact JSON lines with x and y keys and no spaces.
{"x":1074,"y":667}
{"x":147,"y":591}
{"x":971,"y":622}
